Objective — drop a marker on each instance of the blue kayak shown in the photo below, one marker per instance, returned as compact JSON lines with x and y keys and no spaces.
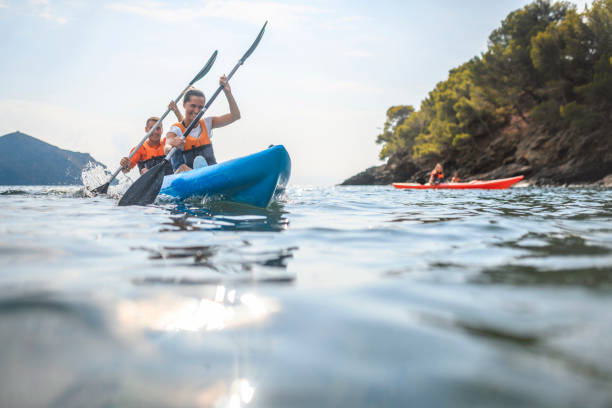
{"x":254,"y":179}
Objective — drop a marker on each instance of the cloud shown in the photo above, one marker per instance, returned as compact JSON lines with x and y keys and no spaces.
{"x":332,"y":86}
{"x":42,"y":8}
{"x":346,"y":23}
{"x":254,"y":12}
{"x":52,"y":17}
{"x":358,"y":54}
{"x":3,"y":4}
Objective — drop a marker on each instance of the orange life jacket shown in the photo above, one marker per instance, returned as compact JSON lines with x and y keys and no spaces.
{"x":147,"y":152}
{"x":438,"y":177}
{"x":190,"y":141}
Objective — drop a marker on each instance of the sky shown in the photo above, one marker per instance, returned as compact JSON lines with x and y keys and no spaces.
{"x":85,"y":75}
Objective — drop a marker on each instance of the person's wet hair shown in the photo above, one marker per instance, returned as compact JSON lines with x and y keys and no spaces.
{"x":192,"y":92}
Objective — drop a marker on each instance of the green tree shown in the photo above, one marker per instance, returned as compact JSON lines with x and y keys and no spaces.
{"x":547,"y":63}
{"x":396,"y":115}
{"x":505,"y":69}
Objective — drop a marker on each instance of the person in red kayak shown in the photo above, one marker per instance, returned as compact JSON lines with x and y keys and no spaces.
{"x":151,"y":152}
{"x":197,"y":143}
{"x":455,"y":178}
{"x":437,"y":175}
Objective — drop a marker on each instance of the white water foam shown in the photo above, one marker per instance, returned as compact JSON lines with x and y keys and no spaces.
{"x":94,"y":175}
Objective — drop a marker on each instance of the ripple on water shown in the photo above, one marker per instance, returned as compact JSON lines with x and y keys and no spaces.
{"x":368,"y":295}
{"x":216,"y":264}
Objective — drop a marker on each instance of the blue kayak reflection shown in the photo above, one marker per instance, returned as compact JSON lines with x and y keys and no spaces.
{"x":225,"y":216}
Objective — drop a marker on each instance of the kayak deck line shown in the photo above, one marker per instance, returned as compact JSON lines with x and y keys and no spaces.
{"x":498,"y":184}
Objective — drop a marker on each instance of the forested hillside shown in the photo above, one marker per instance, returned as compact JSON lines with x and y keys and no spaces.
{"x":538,"y":102}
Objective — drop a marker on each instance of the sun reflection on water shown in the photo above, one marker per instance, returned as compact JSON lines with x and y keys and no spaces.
{"x":241,"y":392}
{"x":178,"y":313}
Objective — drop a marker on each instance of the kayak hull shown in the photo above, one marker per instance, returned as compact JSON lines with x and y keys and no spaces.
{"x":254,"y":179}
{"x":476,"y":184}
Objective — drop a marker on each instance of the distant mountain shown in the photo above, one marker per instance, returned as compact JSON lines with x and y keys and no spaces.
{"x":25,"y":160}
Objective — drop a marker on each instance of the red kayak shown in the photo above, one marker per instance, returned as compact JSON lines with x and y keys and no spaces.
{"x":486,"y":185}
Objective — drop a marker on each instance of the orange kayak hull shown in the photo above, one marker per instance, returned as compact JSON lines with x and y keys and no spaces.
{"x":476,"y":184}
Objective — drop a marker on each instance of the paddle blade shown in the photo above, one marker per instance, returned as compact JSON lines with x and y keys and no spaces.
{"x":101,"y":189}
{"x":146,"y":188}
{"x":255,"y":43}
{"x":206,"y":68}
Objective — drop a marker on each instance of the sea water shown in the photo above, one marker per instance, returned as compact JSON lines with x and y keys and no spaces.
{"x":332,"y":296}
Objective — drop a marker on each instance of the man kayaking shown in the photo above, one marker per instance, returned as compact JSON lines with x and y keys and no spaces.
{"x":437,"y":175}
{"x":455,"y":178}
{"x":197,"y":143}
{"x":152,"y":150}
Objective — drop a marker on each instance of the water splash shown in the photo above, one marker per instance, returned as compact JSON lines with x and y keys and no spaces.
{"x":94,"y":175}
{"x":123,"y":183}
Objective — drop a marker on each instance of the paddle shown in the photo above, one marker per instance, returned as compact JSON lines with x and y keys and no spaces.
{"x":104,"y":187}
{"x":146,"y":188}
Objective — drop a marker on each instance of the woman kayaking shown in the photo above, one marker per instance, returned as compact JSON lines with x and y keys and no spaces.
{"x":198,"y":143}
{"x":437,"y":175}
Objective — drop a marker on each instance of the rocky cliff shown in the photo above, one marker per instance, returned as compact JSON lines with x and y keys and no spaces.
{"x":563,"y":158}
